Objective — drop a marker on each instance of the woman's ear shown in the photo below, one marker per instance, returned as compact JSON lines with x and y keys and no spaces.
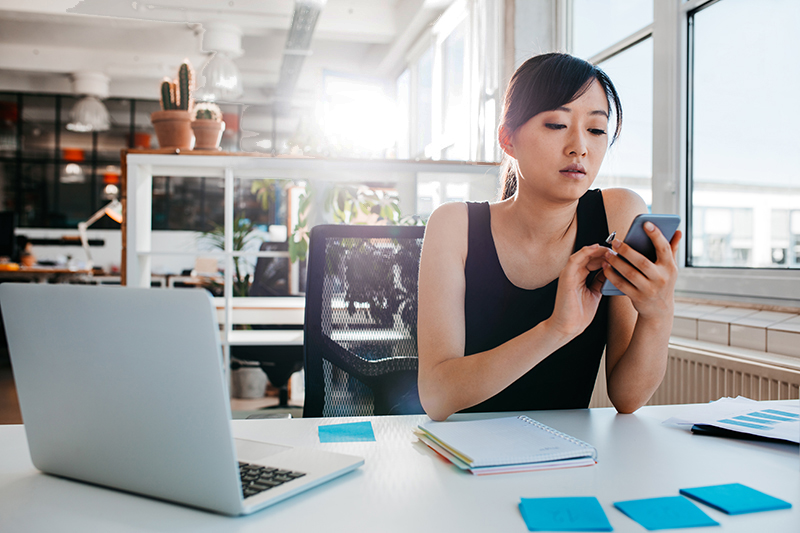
{"x":504,"y":137}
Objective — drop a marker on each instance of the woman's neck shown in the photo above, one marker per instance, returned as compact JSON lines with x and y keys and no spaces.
{"x":540,"y":220}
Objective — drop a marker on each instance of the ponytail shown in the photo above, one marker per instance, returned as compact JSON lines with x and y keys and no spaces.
{"x":508,"y":178}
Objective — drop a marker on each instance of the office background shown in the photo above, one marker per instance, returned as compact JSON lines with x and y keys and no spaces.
{"x":707,"y":89}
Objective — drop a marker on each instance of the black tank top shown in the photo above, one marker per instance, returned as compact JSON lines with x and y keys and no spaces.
{"x":496,"y":311}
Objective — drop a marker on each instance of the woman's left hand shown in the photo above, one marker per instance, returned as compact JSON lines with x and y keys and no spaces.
{"x":650,"y":286}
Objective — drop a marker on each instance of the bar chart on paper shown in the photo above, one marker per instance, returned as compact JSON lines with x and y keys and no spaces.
{"x":766,"y":420}
{"x":773,"y":422}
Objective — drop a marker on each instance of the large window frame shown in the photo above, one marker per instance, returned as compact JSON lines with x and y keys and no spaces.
{"x":481,"y":85}
{"x":671,"y":158}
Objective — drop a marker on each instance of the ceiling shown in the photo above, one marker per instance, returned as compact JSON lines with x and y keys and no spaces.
{"x":137,"y":43}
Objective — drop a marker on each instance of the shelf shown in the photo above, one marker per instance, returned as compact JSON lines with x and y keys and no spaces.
{"x":268,"y":337}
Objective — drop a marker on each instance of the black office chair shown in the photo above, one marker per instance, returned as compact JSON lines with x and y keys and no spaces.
{"x":361,"y":321}
{"x":271,"y":278}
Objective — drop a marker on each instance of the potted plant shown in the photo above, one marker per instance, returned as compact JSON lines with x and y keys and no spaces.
{"x":207,"y":125}
{"x":242,"y":236}
{"x":173,"y":124}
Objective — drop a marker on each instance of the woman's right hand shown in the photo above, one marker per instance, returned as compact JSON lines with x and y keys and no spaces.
{"x":577,"y":302}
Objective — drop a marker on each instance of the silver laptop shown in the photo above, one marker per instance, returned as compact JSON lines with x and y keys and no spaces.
{"x":124,"y":388}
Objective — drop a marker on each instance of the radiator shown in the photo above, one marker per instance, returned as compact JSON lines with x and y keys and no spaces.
{"x":699,"y":376}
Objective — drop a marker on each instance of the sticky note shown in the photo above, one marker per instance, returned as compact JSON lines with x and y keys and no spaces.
{"x":735,"y":498}
{"x":564,"y":514}
{"x":351,"y":432}
{"x":665,"y":513}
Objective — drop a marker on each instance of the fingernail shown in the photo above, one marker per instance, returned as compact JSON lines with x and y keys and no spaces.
{"x":615,"y":244}
{"x":610,"y":254}
{"x":649,"y":226}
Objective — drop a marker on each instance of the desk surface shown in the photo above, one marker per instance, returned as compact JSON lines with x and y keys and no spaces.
{"x":403,"y":486}
{"x":42,"y":274}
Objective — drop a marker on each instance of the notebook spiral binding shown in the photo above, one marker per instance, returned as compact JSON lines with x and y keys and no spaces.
{"x":564,"y":436}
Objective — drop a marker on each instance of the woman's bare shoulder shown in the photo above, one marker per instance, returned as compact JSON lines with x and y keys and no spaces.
{"x":447,"y":227}
{"x":450,"y":219}
{"x":622,"y":206}
{"x":450,"y":212}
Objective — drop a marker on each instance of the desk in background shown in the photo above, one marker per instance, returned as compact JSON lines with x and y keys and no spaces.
{"x":404,"y":486}
{"x":44,"y":274}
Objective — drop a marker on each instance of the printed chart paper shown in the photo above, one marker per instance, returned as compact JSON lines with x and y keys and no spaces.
{"x":775,"y":420}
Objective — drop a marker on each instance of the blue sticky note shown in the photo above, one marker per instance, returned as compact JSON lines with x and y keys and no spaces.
{"x":351,"y":432}
{"x":564,"y":514}
{"x":665,"y":513}
{"x":735,"y":498}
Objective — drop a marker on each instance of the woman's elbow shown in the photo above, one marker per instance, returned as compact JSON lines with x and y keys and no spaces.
{"x":626,"y":406}
{"x":626,"y":409}
{"x":433,"y":404}
{"x":437,"y":415}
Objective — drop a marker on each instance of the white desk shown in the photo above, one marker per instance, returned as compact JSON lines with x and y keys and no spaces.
{"x":405,"y":487}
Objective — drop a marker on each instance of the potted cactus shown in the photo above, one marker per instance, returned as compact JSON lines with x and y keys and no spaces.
{"x":207,"y":125}
{"x":173,"y":122}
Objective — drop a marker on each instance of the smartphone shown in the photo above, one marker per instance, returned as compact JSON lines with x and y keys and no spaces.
{"x":638,"y":240}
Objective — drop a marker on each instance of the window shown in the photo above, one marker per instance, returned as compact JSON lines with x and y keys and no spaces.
{"x":743,"y":131}
{"x":598,"y":24}
{"x":454,"y":133}
{"x":717,"y":81}
{"x":454,"y":72}
{"x":424,"y":103}
{"x":629,"y":161}
{"x":403,"y":147}
{"x":359,"y":117}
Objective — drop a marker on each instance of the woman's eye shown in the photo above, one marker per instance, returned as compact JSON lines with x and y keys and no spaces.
{"x":596,"y":131}
{"x":553,"y":126}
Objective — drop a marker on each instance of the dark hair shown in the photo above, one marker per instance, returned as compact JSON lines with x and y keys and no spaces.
{"x":543,"y":83}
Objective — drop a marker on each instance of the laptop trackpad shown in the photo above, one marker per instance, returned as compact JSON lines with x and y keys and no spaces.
{"x":251,"y":450}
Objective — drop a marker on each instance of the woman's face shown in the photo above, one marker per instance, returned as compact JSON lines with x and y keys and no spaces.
{"x":559,"y":152}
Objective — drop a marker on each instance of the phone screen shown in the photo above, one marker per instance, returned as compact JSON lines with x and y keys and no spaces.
{"x":638,"y":239}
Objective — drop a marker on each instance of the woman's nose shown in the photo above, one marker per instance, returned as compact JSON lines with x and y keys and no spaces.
{"x":576,"y":144}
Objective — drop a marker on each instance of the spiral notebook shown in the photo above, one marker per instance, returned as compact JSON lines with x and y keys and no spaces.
{"x":501,"y":445}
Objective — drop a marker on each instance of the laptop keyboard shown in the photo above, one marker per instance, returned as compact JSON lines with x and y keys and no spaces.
{"x":257,"y":478}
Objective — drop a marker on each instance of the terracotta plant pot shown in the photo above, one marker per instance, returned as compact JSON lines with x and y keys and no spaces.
{"x":173,"y":128}
{"x":208,"y":133}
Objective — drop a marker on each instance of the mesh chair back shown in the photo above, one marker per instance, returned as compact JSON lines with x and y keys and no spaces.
{"x":361,"y":321}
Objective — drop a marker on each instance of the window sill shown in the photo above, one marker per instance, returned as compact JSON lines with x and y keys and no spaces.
{"x":754,"y":330}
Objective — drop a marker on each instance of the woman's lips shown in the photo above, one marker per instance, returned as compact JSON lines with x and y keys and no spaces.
{"x":575,"y":171}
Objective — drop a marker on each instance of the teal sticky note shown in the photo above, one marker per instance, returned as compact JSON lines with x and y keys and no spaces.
{"x":735,"y":498}
{"x":351,"y":432}
{"x":564,"y":514}
{"x":665,"y":513}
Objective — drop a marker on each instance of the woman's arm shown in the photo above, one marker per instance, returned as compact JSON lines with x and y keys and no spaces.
{"x":450,"y":382}
{"x":640,"y":322}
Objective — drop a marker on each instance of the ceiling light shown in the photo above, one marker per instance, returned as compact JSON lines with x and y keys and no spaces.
{"x":89,"y":114}
{"x":73,"y":173}
{"x":219,"y":79}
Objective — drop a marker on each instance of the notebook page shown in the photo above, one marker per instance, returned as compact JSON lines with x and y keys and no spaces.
{"x":502,"y":441}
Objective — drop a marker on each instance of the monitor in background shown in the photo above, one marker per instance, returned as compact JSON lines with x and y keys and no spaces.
{"x":8,"y":240}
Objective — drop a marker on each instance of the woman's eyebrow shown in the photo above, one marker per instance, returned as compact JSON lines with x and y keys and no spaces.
{"x":595,"y":112}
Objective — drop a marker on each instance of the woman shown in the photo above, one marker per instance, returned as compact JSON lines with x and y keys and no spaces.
{"x":510,"y":311}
